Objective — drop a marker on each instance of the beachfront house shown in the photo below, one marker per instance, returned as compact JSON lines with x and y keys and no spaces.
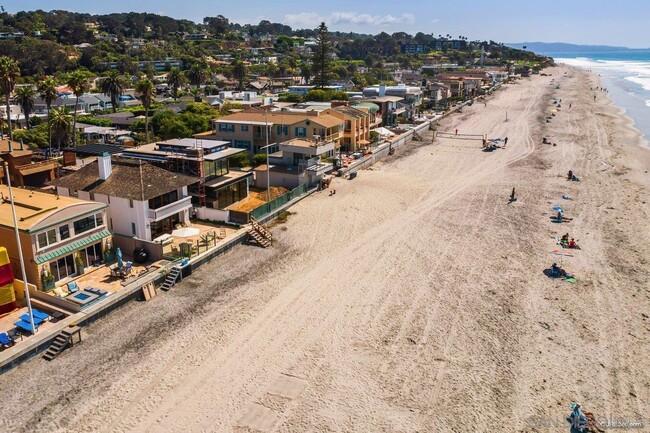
{"x":60,"y":236}
{"x":252,"y":129}
{"x":356,"y":129}
{"x":299,"y":161}
{"x":144,"y":201}
{"x":215,"y":184}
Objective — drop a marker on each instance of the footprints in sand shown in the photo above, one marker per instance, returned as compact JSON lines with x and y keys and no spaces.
{"x":268,"y":413}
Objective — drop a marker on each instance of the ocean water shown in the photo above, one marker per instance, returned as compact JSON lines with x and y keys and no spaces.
{"x":625,"y":74}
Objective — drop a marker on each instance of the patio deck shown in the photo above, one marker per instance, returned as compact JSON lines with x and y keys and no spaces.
{"x":222,"y":232}
{"x":7,"y":324}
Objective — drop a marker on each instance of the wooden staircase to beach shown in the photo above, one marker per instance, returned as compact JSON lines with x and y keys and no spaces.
{"x":260,"y":234}
{"x":61,"y":342}
{"x":171,"y":278}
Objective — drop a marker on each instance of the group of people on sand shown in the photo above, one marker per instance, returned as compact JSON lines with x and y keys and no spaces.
{"x":568,"y":243}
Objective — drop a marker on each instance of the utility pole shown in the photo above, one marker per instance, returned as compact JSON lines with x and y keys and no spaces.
{"x":20,"y":252}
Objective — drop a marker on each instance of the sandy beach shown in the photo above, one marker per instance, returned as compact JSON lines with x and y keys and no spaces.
{"x":413,"y":299}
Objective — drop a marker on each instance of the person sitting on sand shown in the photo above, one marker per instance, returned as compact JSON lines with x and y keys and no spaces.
{"x":578,"y":420}
{"x":572,"y":243}
{"x":570,"y":175}
{"x":565,"y":238}
{"x":513,"y":197}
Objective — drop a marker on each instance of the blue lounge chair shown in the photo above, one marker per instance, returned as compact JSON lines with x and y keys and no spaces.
{"x":72,"y":287}
{"x":5,"y":340}
{"x":25,"y":326}
{"x":37,"y":320}
{"x":40,"y":314}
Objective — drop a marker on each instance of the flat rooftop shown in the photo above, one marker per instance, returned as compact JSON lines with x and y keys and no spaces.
{"x":192,"y":143}
{"x":33,"y":206}
{"x":153,"y":152}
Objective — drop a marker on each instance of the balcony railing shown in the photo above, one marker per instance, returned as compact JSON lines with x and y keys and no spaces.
{"x":170,"y":209}
{"x":36,"y":167}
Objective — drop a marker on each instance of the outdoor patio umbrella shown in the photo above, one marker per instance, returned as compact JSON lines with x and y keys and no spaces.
{"x":186,"y":232}
{"x":562,"y":253}
{"x":118,"y":254}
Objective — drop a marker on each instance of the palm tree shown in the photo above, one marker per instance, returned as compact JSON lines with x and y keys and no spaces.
{"x":78,"y":84}
{"x":60,"y":123}
{"x":47,"y":90}
{"x":145,"y":88}
{"x":197,"y":74}
{"x":113,"y":86}
{"x":25,"y":98}
{"x":175,"y":78}
{"x":9,"y":73}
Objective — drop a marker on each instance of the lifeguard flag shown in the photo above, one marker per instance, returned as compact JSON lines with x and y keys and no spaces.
{"x":7,"y":293}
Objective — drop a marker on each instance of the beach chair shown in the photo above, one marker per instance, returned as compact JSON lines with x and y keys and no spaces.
{"x":72,"y":287}
{"x":6,"y":340}
{"x":37,"y":320}
{"x":23,"y":326}
{"x":40,"y":314}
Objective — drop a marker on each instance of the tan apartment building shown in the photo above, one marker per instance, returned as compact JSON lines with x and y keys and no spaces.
{"x":60,"y":236}
{"x":356,"y":127}
{"x":248,"y":129}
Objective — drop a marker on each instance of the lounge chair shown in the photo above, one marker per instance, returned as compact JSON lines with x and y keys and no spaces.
{"x":25,"y":326}
{"x":40,"y":314}
{"x":37,"y":320}
{"x":72,"y":287}
{"x":5,"y":340}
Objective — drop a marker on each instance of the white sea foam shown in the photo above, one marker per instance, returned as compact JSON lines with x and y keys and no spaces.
{"x":647,"y":102}
{"x":640,"y":80}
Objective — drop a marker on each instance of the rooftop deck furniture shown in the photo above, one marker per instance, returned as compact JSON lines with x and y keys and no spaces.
{"x":21,"y":325}
{"x":37,"y":320}
{"x":5,"y":340}
{"x":72,"y":287}
{"x":40,"y":314}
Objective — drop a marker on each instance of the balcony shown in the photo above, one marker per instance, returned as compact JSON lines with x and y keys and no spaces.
{"x":170,"y":209}
{"x":37,"y":167}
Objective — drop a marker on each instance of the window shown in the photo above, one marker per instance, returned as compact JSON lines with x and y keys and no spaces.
{"x":63,"y":267}
{"x":130,"y":203}
{"x":110,"y":223}
{"x":93,"y":254}
{"x":73,"y":192}
{"x":241,"y":144}
{"x":163,"y":200}
{"x":301,"y":132}
{"x":227,"y":127}
{"x":64,"y":232}
{"x":244,"y":128}
{"x":133,"y":229}
{"x":92,"y":196}
{"x":99,"y":218}
{"x":46,"y":238}
{"x":84,"y":224}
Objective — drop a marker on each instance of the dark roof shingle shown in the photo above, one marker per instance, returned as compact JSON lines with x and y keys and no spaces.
{"x":129,"y":178}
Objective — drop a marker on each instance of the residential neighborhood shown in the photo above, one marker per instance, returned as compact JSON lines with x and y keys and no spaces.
{"x":145,"y":154}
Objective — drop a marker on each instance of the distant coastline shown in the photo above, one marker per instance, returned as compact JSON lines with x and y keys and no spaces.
{"x":626,"y":75}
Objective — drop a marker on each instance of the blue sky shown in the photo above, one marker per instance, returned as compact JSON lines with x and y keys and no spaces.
{"x":625,"y":22}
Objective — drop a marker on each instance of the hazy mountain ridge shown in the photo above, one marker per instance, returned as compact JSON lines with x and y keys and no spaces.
{"x":562,"y":47}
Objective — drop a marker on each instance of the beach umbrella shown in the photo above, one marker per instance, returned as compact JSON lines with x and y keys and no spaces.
{"x":186,"y":232}
{"x":118,"y":254}
{"x":562,"y":253}
{"x":558,"y":209}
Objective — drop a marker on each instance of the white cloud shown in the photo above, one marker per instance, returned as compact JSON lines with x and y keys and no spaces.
{"x":435,"y":20}
{"x":303,"y":19}
{"x":377,"y":20}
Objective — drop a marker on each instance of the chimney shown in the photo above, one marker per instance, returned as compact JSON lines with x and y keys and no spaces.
{"x":105,"y":167}
{"x":382,"y":90}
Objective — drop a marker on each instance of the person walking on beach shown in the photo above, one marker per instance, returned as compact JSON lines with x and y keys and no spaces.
{"x":505,"y":142}
{"x":456,"y":131}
